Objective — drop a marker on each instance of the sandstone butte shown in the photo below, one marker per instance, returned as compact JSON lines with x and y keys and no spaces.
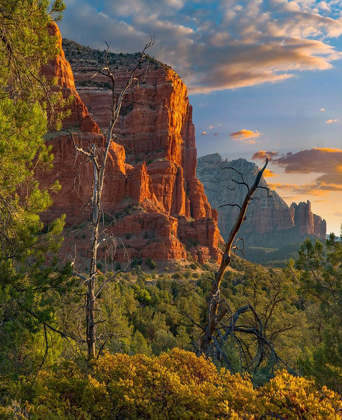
{"x":154,"y":206}
{"x":270,"y":221}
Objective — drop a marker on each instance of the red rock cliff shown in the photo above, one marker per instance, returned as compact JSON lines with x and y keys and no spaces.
{"x":153,"y":203}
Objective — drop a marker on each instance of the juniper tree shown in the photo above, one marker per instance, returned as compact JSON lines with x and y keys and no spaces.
{"x":27,"y":281}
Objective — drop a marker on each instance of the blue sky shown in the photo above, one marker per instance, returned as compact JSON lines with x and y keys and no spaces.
{"x":263,"y":75}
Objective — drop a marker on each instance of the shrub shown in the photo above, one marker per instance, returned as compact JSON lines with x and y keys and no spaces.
{"x":150,"y":263}
{"x":175,"y":385}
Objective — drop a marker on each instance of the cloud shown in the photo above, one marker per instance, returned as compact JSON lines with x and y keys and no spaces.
{"x":331,"y":121}
{"x":331,"y":178}
{"x":204,"y":133}
{"x":215,"y":134}
{"x":268,"y":173}
{"x":324,"y":161}
{"x":262,"y":155}
{"x":211,"y":127}
{"x":338,"y":214}
{"x":314,"y":188}
{"x":217,"y":45}
{"x":245,"y":136}
{"x":322,"y":109}
{"x":323,"y":5}
{"x":317,"y":160}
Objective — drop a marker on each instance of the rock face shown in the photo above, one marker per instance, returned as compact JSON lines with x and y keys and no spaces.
{"x":270,"y":221}
{"x":154,"y":206}
{"x":306,"y":222}
{"x":60,"y":70}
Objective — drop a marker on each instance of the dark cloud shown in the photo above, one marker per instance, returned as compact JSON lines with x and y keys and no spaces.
{"x":213,"y":45}
{"x":325,"y":161}
{"x":317,"y":160}
{"x":331,"y":178}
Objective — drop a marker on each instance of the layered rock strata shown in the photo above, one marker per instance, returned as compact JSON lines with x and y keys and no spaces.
{"x":270,"y":221}
{"x":154,"y":206}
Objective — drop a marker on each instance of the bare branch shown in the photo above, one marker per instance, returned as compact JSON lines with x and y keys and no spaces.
{"x":112,"y":278}
{"x":230,"y":205}
{"x":241,"y":183}
{"x":233,"y":169}
{"x":214,"y":303}
{"x":269,"y":195}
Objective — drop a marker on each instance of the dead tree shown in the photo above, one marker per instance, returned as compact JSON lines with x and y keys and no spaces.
{"x":216,"y":311}
{"x":223,"y":324}
{"x":98,"y":158}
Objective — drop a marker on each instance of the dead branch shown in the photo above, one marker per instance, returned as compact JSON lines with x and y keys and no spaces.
{"x":99,"y":159}
{"x":214,"y":303}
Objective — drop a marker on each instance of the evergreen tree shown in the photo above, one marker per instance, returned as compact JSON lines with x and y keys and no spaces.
{"x":320,"y":278}
{"x":29,"y":277}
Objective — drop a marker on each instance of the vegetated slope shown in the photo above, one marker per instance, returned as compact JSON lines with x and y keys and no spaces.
{"x":272,"y":230}
{"x":154,"y":205}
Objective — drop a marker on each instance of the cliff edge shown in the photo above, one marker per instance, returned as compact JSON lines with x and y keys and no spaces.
{"x":154,"y":206}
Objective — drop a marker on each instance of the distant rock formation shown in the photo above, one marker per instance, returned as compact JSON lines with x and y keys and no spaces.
{"x":152,"y":200}
{"x":306,"y":222}
{"x":270,"y":221}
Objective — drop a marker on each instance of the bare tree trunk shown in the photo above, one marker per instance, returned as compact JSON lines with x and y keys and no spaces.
{"x":214,"y":316}
{"x":91,"y":298}
{"x":99,"y":162}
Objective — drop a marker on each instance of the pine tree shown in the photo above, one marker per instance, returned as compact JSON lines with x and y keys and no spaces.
{"x":30,"y":279}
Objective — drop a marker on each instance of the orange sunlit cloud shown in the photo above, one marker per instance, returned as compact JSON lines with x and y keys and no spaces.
{"x":204,"y":133}
{"x":331,"y":121}
{"x":268,"y":174}
{"x":245,"y":136}
{"x":262,"y":155}
{"x":306,"y":189}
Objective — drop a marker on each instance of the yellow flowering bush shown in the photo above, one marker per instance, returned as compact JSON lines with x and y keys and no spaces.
{"x":176,"y":385}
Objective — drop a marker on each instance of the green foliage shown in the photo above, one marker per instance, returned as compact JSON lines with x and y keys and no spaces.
{"x":31,"y":282}
{"x":150,"y":263}
{"x":177,"y":385}
{"x":273,"y":296}
{"x":320,"y":278}
{"x":25,"y":46}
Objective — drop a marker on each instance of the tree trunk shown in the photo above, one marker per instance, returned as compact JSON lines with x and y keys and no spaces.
{"x":91,"y":298}
{"x":214,"y":317}
{"x":99,"y":163}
